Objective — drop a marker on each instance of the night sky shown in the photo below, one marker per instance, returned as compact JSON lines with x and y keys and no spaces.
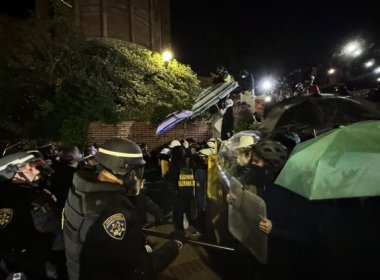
{"x":265,"y":37}
{"x":268,"y":36}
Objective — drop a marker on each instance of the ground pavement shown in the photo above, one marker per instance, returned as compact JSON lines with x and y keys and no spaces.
{"x":192,"y":263}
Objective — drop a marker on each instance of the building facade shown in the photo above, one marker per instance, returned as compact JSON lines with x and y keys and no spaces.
{"x":144,"y":22}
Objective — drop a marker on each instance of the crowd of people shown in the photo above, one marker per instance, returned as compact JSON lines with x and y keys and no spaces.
{"x":306,"y":239}
{"x":59,"y":206}
{"x":72,"y":214}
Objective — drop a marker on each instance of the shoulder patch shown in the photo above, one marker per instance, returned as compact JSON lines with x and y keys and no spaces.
{"x":6,"y":215}
{"x":115,"y":226}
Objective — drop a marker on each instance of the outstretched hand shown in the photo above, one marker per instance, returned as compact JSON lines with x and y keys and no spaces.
{"x":265,"y":225}
{"x":230,"y":198}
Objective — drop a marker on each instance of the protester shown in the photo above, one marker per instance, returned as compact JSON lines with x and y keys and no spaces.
{"x":221,"y":75}
{"x":292,"y":223}
{"x":185,"y":193}
{"x":228,"y":120}
{"x":310,"y":87}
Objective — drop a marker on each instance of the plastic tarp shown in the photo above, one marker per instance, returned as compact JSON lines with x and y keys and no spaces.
{"x":211,"y":96}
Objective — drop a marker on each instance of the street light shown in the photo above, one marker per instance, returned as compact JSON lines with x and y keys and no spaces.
{"x":267,"y":85}
{"x":369,"y":63}
{"x":167,"y":55}
{"x":378,"y":79}
{"x":377,"y":70}
{"x":353,"y":49}
{"x":331,"y":71}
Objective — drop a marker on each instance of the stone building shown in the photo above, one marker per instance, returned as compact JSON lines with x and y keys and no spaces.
{"x":144,"y":22}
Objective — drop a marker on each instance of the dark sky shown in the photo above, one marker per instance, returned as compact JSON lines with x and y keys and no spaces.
{"x":267,"y":36}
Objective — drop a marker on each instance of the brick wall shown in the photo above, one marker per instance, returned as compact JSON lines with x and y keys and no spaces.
{"x":146,"y":132}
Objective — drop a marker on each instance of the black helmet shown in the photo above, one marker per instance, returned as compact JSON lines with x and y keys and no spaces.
{"x":10,"y":164}
{"x":70,"y":154}
{"x":288,"y":138}
{"x":272,"y":151}
{"x":119,"y":155}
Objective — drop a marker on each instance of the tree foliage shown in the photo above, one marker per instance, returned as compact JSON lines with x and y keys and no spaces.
{"x":54,"y":82}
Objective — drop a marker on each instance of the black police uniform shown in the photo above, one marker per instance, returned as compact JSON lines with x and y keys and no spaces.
{"x":61,"y":181}
{"x":30,"y":231}
{"x":103,"y":235}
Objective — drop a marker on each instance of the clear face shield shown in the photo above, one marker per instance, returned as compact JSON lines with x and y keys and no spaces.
{"x":243,"y":156}
{"x":27,"y":172}
{"x":133,"y":179}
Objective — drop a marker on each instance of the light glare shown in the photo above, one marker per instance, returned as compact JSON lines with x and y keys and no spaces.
{"x":369,"y":63}
{"x":167,"y":55}
{"x":357,"y":52}
{"x":331,"y":71}
{"x":351,"y":47}
{"x":267,"y":84}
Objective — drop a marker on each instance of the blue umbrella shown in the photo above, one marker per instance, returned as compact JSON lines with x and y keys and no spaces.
{"x":172,"y":119}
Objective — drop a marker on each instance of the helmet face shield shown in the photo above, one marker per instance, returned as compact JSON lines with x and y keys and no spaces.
{"x":133,"y":180}
{"x":124,"y":159}
{"x":243,"y":156}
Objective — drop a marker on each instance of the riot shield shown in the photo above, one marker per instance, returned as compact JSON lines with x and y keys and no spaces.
{"x":243,"y":220}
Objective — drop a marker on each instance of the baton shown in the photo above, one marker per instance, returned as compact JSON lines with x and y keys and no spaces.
{"x":198,"y":243}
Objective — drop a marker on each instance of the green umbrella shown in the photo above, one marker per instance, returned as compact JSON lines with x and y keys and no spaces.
{"x":341,"y":163}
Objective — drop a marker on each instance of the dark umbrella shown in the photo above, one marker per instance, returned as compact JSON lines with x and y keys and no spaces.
{"x":315,"y":114}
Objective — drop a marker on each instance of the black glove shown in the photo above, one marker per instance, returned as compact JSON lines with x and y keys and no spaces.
{"x":178,"y":234}
{"x":160,"y":219}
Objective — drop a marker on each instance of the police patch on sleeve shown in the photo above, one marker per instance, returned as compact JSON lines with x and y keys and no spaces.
{"x":115,"y":226}
{"x":6,"y":215}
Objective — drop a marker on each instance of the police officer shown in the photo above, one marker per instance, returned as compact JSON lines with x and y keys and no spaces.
{"x":30,"y":232}
{"x":64,"y":170}
{"x":102,"y":229}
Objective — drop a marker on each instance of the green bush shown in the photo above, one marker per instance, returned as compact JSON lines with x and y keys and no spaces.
{"x":54,"y":82}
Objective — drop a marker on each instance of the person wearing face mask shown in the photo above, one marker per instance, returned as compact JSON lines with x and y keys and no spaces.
{"x":30,"y":233}
{"x":292,"y":223}
{"x":241,"y":169}
{"x":102,"y":226}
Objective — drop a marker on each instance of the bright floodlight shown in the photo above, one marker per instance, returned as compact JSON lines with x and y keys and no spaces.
{"x":268,"y":98}
{"x":377,"y":70}
{"x":357,"y":52}
{"x":331,"y":71}
{"x":267,"y":84}
{"x":167,"y":55}
{"x":353,"y":49}
{"x":378,"y":79}
{"x":369,"y":63}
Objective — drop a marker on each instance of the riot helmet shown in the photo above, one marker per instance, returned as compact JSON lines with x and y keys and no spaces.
{"x":174,"y":143}
{"x":48,"y":150}
{"x":70,"y":154}
{"x":272,"y":152}
{"x":288,"y":138}
{"x":12,"y":164}
{"x":124,"y":159}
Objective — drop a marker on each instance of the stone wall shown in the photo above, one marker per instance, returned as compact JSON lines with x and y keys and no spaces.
{"x":146,"y":132}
